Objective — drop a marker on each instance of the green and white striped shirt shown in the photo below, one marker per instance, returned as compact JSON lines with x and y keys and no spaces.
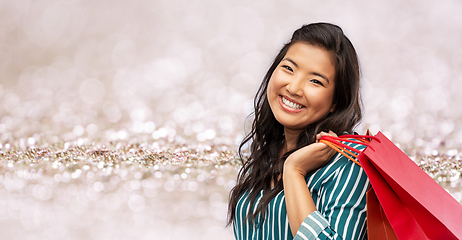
{"x":339,"y":192}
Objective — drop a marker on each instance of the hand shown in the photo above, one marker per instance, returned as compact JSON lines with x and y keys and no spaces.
{"x":310,"y":157}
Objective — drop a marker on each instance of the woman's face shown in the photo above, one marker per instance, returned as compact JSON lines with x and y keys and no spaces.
{"x":301,"y":89}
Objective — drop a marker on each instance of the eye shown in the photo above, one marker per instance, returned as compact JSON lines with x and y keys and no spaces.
{"x":317,"y":82}
{"x":288,"y":68}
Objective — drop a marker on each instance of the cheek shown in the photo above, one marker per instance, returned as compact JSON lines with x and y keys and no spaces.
{"x":271,"y":87}
{"x":277,"y":78}
{"x":323,"y":100}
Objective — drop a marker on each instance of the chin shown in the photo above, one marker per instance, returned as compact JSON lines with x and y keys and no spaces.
{"x":294,"y":127}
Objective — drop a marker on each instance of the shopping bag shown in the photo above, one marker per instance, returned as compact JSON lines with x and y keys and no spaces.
{"x":378,"y":226}
{"x":414,"y":204}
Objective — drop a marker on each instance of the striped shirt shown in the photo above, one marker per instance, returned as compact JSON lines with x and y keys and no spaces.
{"x":339,"y":192}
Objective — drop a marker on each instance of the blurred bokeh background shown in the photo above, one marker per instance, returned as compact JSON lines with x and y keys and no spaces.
{"x":180,"y":76}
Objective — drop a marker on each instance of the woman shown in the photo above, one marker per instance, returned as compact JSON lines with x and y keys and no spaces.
{"x":292,"y":186}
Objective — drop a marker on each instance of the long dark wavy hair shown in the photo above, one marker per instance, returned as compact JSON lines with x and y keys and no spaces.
{"x":264,"y":165}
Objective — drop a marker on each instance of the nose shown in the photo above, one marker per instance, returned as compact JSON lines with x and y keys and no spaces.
{"x":294,"y":87}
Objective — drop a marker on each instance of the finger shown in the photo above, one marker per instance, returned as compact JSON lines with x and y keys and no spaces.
{"x":319,"y":135}
{"x":332,"y":133}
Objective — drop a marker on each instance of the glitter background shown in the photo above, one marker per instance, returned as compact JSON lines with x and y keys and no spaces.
{"x":120,"y":119}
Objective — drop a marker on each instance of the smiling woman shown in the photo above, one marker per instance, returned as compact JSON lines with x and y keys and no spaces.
{"x":292,"y":186}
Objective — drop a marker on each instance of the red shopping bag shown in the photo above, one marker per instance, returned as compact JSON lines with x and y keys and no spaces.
{"x":378,"y":226}
{"x":414,"y":204}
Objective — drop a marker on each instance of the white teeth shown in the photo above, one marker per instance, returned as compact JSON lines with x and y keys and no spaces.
{"x":291,"y":104}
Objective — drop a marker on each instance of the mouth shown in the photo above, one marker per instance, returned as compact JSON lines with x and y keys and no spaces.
{"x":291,"y":104}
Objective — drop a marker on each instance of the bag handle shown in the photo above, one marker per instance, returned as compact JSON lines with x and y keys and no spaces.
{"x":347,"y":151}
{"x":342,"y":151}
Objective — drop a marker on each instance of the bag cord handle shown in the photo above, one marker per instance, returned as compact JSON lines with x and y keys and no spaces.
{"x":347,"y":151}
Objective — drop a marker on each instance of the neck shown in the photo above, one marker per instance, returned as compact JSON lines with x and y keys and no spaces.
{"x":291,"y":137}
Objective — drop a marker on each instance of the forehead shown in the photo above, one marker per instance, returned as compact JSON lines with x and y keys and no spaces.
{"x":304,"y":49}
{"x":311,"y":58}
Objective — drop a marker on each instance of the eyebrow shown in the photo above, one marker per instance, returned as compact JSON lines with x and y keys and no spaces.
{"x":314,"y":73}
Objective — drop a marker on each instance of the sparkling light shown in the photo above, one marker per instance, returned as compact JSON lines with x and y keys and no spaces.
{"x":120,"y":120}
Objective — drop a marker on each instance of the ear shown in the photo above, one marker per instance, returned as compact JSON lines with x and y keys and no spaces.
{"x":334,"y":106}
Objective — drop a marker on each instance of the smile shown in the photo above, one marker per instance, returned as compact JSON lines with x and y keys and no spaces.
{"x":291,"y":104}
